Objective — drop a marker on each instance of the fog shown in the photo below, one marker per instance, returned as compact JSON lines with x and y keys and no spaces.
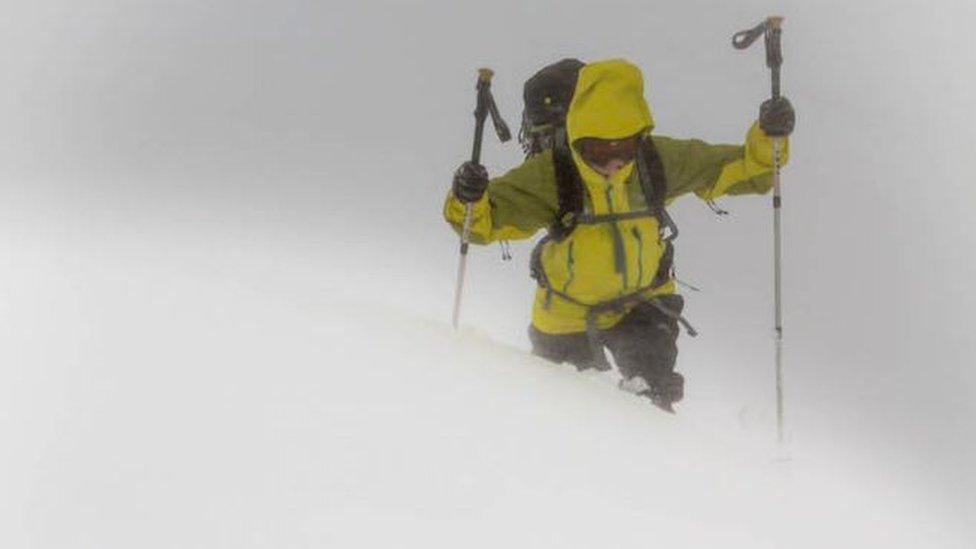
{"x":184,"y":186}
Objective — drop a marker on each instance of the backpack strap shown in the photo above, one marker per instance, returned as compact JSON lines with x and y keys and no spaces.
{"x":593,"y":219}
{"x":654,"y":183}
{"x":650,"y":171}
{"x":569,"y":186}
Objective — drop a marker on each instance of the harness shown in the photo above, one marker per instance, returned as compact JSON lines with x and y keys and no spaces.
{"x":570,"y":214}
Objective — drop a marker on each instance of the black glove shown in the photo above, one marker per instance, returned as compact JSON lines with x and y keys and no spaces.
{"x":777,"y":117}
{"x":470,"y":182}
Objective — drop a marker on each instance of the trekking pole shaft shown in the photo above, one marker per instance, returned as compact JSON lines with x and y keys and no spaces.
{"x":462,"y":264}
{"x":462,"y":267}
{"x":774,"y":60}
{"x":778,"y":285}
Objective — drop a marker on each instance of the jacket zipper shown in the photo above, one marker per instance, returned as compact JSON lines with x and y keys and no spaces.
{"x":569,"y":268}
{"x":619,"y":252}
{"x":640,"y":255}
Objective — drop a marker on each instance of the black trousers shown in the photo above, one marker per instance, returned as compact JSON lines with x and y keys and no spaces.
{"x":643,"y":343}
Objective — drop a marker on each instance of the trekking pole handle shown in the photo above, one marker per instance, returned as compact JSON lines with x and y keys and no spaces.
{"x":504,"y":134}
{"x":774,"y":50}
{"x":485,"y":75}
{"x":772,"y":30}
{"x":486,"y":107}
{"x":481,"y":111}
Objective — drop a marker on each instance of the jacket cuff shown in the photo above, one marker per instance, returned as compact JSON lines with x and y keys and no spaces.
{"x":759,"y":150}
{"x":749,"y":174}
{"x":480,"y":216}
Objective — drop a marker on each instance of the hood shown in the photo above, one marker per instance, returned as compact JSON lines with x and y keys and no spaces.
{"x":608,"y":102}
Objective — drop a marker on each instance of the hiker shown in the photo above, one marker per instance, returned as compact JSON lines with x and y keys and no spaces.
{"x":598,"y":180}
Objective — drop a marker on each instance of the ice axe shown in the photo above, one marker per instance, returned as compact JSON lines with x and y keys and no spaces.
{"x":485,"y":107}
{"x":772,"y":30}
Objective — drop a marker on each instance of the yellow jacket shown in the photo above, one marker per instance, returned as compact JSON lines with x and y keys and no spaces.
{"x":586,"y":266}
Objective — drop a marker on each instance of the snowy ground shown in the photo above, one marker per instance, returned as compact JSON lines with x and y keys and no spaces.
{"x":216,"y":394}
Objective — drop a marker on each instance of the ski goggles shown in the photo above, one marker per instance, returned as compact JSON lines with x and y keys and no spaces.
{"x":599,"y":152}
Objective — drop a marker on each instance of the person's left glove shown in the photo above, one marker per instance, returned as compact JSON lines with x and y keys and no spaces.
{"x":470,"y":182}
{"x":777,"y":117}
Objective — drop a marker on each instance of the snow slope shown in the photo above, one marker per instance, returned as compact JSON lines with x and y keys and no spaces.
{"x":198,"y":394}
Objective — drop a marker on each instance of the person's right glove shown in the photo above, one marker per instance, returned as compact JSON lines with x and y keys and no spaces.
{"x":470,"y":182}
{"x":777,"y":117}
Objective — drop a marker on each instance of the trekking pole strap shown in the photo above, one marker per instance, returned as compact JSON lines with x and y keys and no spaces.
{"x":501,"y":129}
{"x":772,"y":30}
{"x":743,"y":39}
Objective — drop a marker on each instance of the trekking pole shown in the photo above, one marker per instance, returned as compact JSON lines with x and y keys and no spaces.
{"x":485,"y":107}
{"x":772,"y":29}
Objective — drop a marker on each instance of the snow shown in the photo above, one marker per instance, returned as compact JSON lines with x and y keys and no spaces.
{"x":222,"y":402}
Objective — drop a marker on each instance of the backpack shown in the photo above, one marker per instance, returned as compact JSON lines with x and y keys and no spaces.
{"x":547,"y":95}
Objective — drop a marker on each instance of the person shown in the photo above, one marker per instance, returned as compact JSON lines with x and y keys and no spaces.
{"x":605,"y":276}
